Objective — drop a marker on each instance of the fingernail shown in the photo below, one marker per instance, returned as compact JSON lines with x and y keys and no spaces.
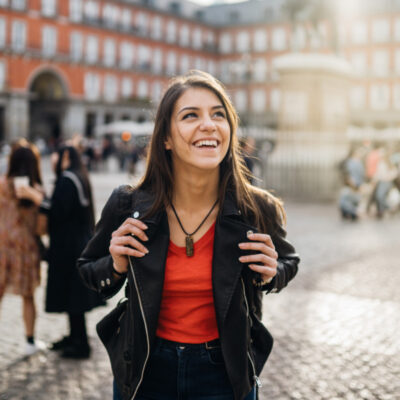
{"x":249,"y":233}
{"x":241,"y":258}
{"x":241,"y":245}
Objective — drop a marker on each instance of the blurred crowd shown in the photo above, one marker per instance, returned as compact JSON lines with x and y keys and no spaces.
{"x":371,"y":181}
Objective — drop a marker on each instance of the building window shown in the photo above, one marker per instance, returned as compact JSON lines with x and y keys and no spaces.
{"x":156,"y":28}
{"x":200,"y":64}
{"x":76,"y":46}
{"x":142,"y":23}
{"x":184,"y":36}
{"x":19,"y":5}
{"x":2,"y":75}
{"x":241,"y":100}
{"x":156,"y":91}
{"x":397,"y":30}
{"x":396,"y":97}
{"x":144,"y":58}
{"x":242,"y":42}
{"x":126,"y":55}
{"x":75,"y":10}
{"x":260,"y":70}
{"x":184,"y":64}
{"x":171,"y":63}
{"x":197,"y":38}
{"x":92,"y":49}
{"x":49,"y":8}
{"x":49,"y":41}
{"x":171,"y":32}
{"x":359,"y":62}
{"x":126,"y":19}
{"x":299,"y":38}
{"x":110,"y":15}
{"x":18,"y":36}
{"x":380,"y":62}
{"x":2,"y":32}
{"x":379,"y":97}
{"x":157,"y":64}
{"x":275,"y":100}
{"x":359,"y":32}
{"x":211,"y":67}
{"x":357,"y":98}
{"x":279,"y":39}
{"x":109,"y":53}
{"x":260,"y":40}
{"x":381,"y":31}
{"x":110,"y":88}
{"x":92,"y":10}
{"x":3,"y":3}
{"x":226,"y":71}
{"x":143,"y":89}
{"x":126,"y":88}
{"x":397,"y":62}
{"x":258,"y":101}
{"x":92,"y":86}
{"x":210,"y":40}
{"x":225,"y":43}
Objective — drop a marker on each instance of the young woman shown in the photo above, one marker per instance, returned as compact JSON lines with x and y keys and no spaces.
{"x":71,"y":222}
{"x":19,"y":250}
{"x":186,"y":240}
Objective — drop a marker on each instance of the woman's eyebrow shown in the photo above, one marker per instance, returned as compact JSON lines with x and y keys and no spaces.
{"x":197,"y":108}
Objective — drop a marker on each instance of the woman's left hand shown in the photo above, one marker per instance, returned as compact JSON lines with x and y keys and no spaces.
{"x":29,"y":193}
{"x":266,"y":258}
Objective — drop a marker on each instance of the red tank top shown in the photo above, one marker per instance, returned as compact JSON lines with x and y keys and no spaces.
{"x":187,"y":313}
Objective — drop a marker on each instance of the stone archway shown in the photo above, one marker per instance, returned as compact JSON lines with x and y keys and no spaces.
{"x":48,"y":101}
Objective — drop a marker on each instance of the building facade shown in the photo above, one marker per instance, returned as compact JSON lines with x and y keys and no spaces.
{"x":69,"y":65}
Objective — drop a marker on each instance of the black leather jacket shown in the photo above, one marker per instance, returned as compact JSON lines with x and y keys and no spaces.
{"x":245,"y":342}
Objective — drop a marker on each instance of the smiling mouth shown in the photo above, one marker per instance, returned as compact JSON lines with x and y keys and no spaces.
{"x":207,"y":144}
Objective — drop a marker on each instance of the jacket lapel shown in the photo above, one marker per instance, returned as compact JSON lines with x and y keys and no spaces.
{"x":230,"y":230}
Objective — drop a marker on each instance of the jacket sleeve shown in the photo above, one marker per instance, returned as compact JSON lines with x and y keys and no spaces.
{"x":95,"y":262}
{"x":288,"y":261}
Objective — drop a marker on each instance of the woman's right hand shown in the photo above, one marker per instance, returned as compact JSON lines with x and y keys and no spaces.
{"x":124,"y":244}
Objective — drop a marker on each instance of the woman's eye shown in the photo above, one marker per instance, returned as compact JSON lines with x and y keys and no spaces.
{"x":220,"y":114}
{"x":189,"y":115}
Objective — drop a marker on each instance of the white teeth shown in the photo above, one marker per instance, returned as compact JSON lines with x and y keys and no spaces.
{"x":211,"y":143}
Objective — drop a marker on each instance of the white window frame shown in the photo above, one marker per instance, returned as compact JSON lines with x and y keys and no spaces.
{"x":143,"y":57}
{"x":275,"y":100}
{"x":92,"y":86}
{"x":184,"y":64}
{"x":18,"y":36}
{"x":381,"y":30}
{"x":156,"y":27}
{"x":143,"y":89}
{"x":142,"y":23}
{"x":242,"y":42}
{"x":75,"y":10}
{"x":126,"y":87}
{"x":379,"y":97}
{"x":184,"y":36}
{"x":157,"y":64}
{"x":380,"y":62}
{"x":76,"y":46}
{"x":110,"y":88}
{"x":49,"y":41}
{"x":359,"y":32}
{"x":359,"y":62}
{"x":126,"y":55}
{"x":19,"y":5}
{"x":171,"y":31}
{"x":109,"y":52}
{"x":111,"y":15}
{"x":92,"y":49}
{"x":396,"y":97}
{"x":126,"y":19}
{"x":156,"y":91}
{"x":171,"y":63}
{"x":241,"y":100}
{"x":92,"y":10}
{"x":3,"y":32}
{"x":260,"y":40}
{"x":3,"y":74}
{"x":225,"y":43}
{"x":396,"y":30}
{"x":197,"y":38}
{"x":258,"y":101}
{"x":3,"y":3}
{"x":49,"y":8}
{"x":279,"y":39}
{"x":357,"y":97}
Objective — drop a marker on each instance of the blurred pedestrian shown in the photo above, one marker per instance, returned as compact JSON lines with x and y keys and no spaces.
{"x":349,"y":200}
{"x":19,"y":242}
{"x":71,"y":221}
{"x":354,"y":167}
{"x":196,"y":242}
{"x":384,"y":177}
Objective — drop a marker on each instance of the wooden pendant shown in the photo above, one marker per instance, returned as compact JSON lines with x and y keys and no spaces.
{"x":189,"y":246}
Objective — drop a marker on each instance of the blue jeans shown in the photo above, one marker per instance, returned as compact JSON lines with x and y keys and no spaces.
{"x":179,"y":372}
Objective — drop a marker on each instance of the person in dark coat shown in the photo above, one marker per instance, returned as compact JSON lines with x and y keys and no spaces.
{"x":71,"y":222}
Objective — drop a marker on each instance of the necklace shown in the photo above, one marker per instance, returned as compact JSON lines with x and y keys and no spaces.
{"x":189,"y":236}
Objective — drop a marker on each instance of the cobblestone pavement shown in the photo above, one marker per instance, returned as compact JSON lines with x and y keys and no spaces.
{"x":336,"y":326}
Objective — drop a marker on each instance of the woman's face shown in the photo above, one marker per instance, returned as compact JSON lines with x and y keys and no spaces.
{"x":200,"y":132}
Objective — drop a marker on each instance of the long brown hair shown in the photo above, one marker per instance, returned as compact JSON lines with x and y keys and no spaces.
{"x":158,"y":178}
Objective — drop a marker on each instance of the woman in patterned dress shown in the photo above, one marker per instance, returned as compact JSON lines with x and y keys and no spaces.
{"x":19,"y":250}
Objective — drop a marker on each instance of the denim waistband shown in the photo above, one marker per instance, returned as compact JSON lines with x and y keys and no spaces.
{"x":212,"y":344}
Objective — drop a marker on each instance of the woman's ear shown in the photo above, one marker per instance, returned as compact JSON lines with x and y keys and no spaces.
{"x":167,"y":144}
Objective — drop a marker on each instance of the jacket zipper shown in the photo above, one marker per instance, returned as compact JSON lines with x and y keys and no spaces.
{"x":256,"y":379}
{"x":145,"y":328}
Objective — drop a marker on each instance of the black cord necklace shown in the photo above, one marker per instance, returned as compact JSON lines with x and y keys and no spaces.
{"x":189,"y":236}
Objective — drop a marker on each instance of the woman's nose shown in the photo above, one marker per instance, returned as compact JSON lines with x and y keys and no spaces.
{"x":207,"y":124}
